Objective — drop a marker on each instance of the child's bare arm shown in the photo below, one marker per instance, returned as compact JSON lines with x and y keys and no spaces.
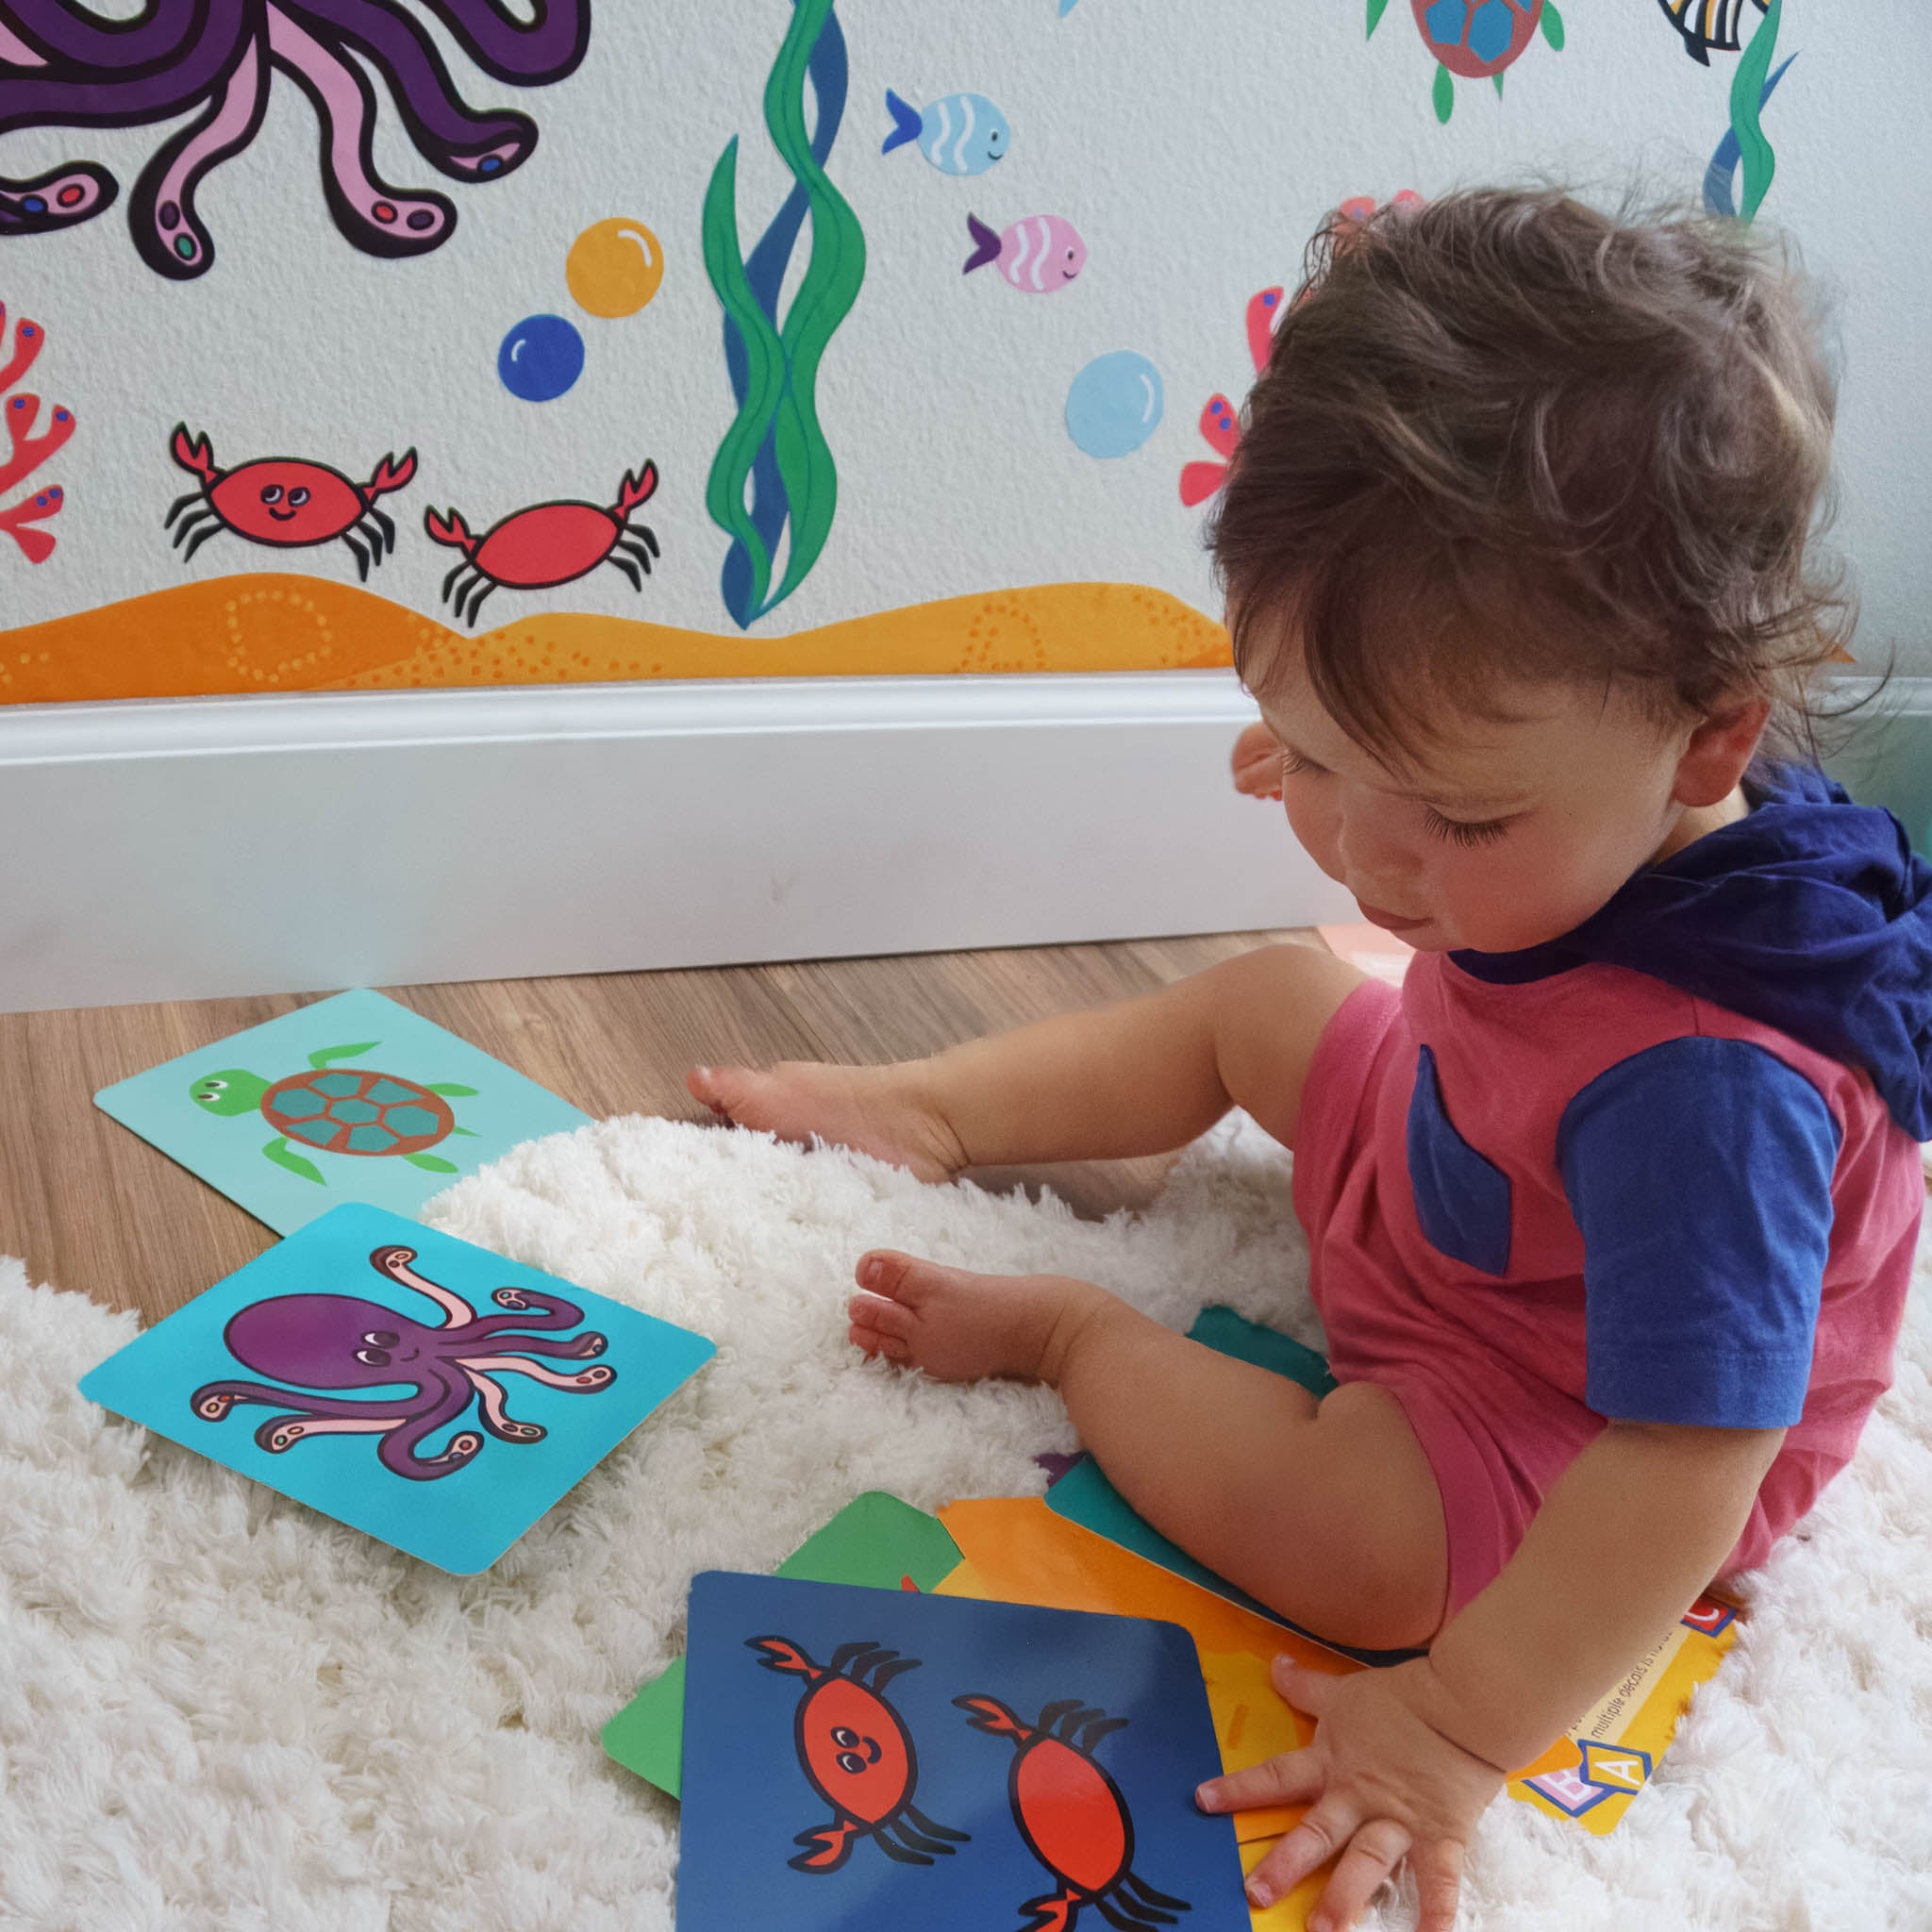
{"x":1405,"y":1761}
{"x":1656,"y":1508}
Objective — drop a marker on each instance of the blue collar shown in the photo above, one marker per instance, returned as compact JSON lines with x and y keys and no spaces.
{"x":1810,"y":914}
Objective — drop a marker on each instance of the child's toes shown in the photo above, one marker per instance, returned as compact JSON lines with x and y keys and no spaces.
{"x":876,"y":1342}
{"x":717,"y":1088}
{"x":875,"y":1312}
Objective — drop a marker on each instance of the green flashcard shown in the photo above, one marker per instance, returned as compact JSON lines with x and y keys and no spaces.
{"x":875,"y":1540}
{"x":1085,"y":1497}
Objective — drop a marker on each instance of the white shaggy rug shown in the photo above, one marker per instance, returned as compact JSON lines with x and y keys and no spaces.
{"x":220,"y":1711}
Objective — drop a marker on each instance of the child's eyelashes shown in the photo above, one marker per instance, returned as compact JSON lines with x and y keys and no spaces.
{"x":1463,"y":832}
{"x":1467,"y":833}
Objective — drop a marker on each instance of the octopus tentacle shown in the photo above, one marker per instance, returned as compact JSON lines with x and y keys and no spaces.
{"x":398,"y":1452}
{"x":15,"y":51}
{"x":59,"y":35}
{"x":394,"y":1263}
{"x":585,"y":1379}
{"x":172,"y":238}
{"x":73,"y":193}
{"x":212,"y":1401}
{"x":573,"y":1347}
{"x":70,"y":96}
{"x":497,"y":1416}
{"x":531,"y":1307}
{"x":450,"y":135}
{"x":524,"y":53}
{"x":281,"y":1433}
{"x":373,"y":216}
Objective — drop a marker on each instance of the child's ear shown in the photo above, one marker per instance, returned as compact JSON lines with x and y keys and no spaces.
{"x":1722,"y":743}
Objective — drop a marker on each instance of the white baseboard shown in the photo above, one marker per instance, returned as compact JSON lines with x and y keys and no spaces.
{"x":196,"y":848}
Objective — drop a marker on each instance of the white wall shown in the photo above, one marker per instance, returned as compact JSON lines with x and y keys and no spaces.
{"x":1193,"y":145}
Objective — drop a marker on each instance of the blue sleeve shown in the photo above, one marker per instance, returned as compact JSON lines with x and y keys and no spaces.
{"x":1700,"y":1174}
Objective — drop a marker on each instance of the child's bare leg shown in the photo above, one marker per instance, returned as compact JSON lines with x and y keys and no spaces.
{"x":1327,"y":1511}
{"x":1141,"y":1077}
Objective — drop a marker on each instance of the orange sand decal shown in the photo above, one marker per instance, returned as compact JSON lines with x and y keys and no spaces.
{"x":285,"y":632}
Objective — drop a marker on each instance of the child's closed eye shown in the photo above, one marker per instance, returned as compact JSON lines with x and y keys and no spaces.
{"x":1464,"y":832}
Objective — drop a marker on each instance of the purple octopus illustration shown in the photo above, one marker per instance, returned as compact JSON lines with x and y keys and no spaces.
{"x":342,"y":1342}
{"x":213,"y":61}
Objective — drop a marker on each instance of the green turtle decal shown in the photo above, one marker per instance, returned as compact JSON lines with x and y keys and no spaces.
{"x":340,"y":1110}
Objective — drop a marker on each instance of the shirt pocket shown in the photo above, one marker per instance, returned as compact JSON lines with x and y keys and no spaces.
{"x":1461,"y":1200}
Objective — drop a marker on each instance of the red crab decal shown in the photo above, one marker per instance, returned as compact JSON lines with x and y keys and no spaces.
{"x":547,"y":544}
{"x":285,"y":502}
{"x":858,"y":1756}
{"x":1073,"y":1817}
{"x":1219,"y":424}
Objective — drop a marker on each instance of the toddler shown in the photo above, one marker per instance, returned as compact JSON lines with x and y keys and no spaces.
{"x":1611,"y":1206}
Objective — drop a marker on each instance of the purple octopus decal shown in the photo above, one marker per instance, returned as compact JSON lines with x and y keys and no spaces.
{"x":342,"y":1341}
{"x":62,"y":66}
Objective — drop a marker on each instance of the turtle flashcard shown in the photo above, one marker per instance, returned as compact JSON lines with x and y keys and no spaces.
{"x":353,"y":1098}
{"x":408,"y":1384}
{"x":879,"y":1760}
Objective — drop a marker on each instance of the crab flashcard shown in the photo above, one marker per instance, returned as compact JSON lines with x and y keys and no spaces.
{"x":407,"y":1384}
{"x":877,"y":1760}
{"x":876,"y":1539}
{"x":353,"y":1098}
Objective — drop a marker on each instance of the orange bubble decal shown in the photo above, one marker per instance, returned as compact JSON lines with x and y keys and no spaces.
{"x":615,"y":267}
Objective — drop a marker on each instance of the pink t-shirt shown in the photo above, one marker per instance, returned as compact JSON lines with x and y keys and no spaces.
{"x":1532,"y":1206}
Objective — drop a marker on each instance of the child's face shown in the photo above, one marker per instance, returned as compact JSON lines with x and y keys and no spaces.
{"x":1503,"y":835}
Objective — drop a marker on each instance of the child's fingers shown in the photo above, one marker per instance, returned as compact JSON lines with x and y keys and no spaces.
{"x":1306,"y":1690}
{"x":1372,"y":1854}
{"x":1438,"y":1868}
{"x":1284,"y":1780}
{"x":1324,"y":1831}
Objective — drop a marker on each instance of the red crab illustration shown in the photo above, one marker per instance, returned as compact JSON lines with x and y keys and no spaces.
{"x":1073,"y":1817}
{"x":285,"y":502}
{"x":856,"y":1754}
{"x":1219,"y":423}
{"x":547,"y":544}
{"x":29,"y":451}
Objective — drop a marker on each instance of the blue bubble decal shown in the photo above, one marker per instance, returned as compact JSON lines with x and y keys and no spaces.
{"x":1114,"y":404}
{"x":540,"y":358}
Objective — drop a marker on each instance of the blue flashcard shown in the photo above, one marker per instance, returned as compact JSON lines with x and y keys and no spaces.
{"x":884,"y":1761}
{"x":404,"y":1382}
{"x":350,"y":1099}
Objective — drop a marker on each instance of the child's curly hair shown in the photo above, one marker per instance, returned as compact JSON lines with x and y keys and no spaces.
{"x":1505,"y":436}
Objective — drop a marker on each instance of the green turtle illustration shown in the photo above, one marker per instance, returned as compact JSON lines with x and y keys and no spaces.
{"x":340,"y":1110}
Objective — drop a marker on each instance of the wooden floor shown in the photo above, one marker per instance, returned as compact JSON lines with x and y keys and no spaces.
{"x":90,"y":1206}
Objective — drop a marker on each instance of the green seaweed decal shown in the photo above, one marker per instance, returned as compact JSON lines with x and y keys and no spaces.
{"x":774,"y":475}
{"x":1745,"y":147}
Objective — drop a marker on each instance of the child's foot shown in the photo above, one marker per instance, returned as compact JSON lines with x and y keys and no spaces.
{"x":876,"y":1111}
{"x":959,"y":1326}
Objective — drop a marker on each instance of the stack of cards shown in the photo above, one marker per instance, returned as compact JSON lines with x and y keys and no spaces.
{"x":870,"y":1759}
{"x":413,"y":1386}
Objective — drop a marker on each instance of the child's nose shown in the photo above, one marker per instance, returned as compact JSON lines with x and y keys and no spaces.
{"x":1373,"y":854}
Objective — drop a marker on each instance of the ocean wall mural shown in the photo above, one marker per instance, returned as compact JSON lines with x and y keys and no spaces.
{"x":364,"y":343}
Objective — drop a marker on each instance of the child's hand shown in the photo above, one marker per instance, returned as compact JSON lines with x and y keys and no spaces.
{"x":1257,"y":762}
{"x":1385,"y":1784}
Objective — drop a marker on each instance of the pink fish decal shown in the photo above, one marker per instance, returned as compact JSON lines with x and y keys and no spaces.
{"x":1038,"y":254}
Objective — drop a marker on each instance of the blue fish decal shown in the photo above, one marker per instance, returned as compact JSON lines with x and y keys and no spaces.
{"x":962,"y":134}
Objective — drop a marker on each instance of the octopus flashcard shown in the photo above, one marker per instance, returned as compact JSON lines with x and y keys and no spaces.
{"x":424,"y":1390}
{"x":353,"y":1098}
{"x":881,"y":1760}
